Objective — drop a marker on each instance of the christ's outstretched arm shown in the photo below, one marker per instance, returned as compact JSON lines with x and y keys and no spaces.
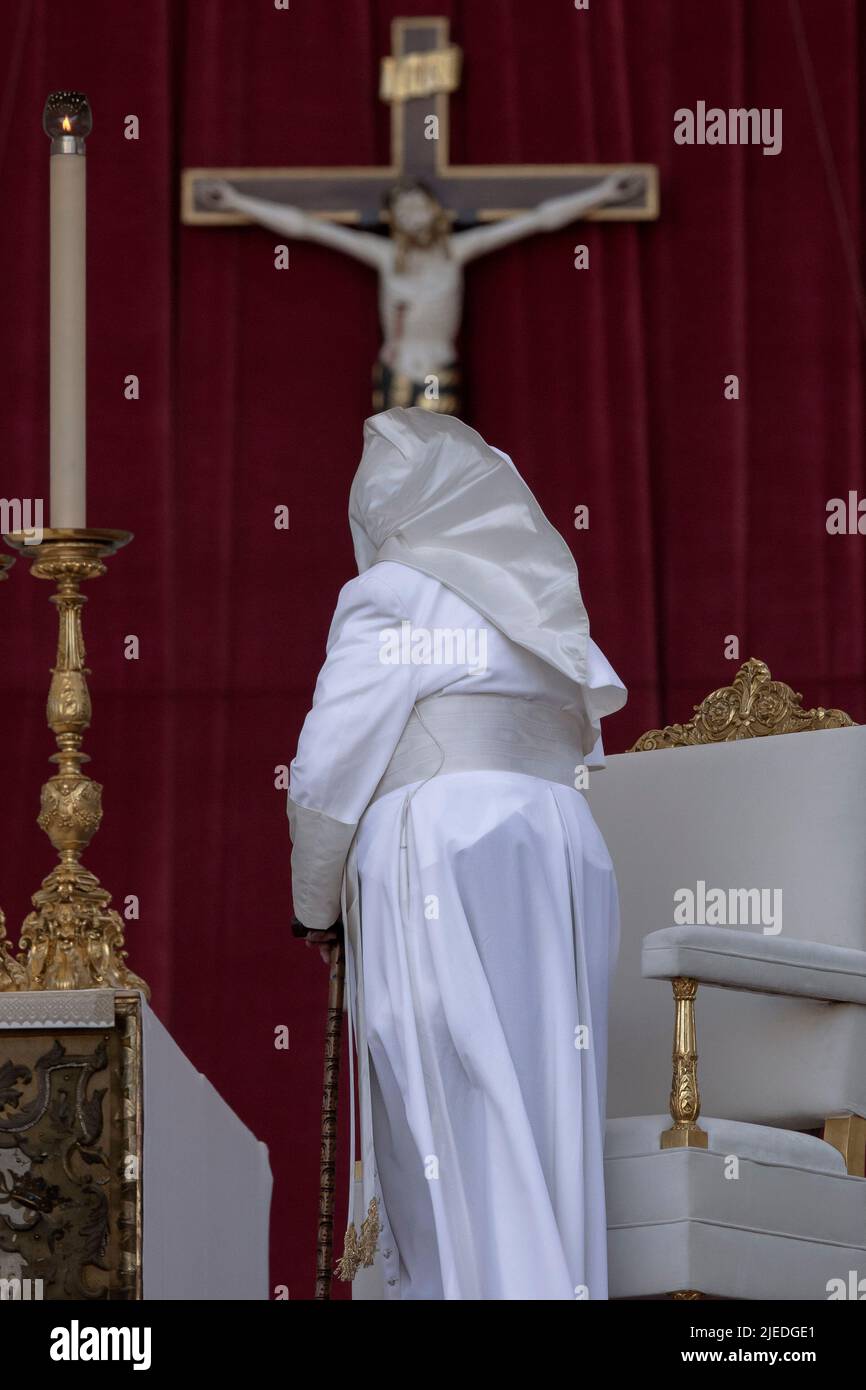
{"x":547,"y":217}
{"x":290,"y":221}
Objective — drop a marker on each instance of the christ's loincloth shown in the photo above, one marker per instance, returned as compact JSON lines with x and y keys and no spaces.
{"x":439,"y":392}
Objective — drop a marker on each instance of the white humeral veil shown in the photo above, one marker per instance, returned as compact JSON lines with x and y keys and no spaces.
{"x":430,"y":493}
{"x":479,"y":905}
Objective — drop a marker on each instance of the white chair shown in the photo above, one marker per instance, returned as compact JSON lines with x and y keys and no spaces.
{"x":744,"y":1204}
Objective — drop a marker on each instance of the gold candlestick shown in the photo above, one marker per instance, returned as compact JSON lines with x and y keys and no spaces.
{"x":73,"y":939}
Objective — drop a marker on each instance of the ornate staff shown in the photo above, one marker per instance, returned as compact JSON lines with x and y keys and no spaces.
{"x":328,"y":1160}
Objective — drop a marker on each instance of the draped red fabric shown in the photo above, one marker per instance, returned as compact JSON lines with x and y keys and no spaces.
{"x":707,"y":515}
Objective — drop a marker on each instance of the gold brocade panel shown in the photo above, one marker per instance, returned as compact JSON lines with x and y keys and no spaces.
{"x":70,"y":1110}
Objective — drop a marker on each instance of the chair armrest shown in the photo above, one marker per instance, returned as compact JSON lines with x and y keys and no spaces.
{"x":749,"y":960}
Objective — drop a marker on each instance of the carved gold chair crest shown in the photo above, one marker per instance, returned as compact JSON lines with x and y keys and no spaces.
{"x":753,"y":706}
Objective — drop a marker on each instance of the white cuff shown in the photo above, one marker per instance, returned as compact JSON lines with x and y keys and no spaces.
{"x":320,"y":845}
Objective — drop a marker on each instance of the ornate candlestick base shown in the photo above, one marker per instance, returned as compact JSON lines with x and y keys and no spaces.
{"x":12,"y":975}
{"x":73,"y":939}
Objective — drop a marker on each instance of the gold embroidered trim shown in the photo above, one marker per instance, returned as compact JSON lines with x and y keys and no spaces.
{"x":358,"y":1251}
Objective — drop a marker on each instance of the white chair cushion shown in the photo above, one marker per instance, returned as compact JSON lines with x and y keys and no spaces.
{"x":641,"y":1134}
{"x":754,"y":961}
{"x":687,"y":1219}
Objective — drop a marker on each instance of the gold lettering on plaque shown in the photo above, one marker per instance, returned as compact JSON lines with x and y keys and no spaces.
{"x":420,"y":74}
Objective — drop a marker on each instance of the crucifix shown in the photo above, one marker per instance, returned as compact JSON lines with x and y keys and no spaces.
{"x":440,"y":216}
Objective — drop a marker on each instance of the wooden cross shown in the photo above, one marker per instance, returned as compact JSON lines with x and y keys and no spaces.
{"x":416,"y":79}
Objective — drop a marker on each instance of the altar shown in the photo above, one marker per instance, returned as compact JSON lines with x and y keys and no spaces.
{"x":123,"y":1173}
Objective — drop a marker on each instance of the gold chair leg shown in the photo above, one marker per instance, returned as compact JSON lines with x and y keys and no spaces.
{"x":847,"y":1133}
{"x":685,"y":1133}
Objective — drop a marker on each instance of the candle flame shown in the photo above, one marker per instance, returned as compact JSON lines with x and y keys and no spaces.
{"x":66,"y":123}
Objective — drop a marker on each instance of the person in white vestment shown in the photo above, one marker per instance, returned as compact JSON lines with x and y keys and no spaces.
{"x":434,"y":810}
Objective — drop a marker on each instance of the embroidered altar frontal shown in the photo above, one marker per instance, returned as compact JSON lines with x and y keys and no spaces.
{"x":104,"y":1194}
{"x":70,"y":1145}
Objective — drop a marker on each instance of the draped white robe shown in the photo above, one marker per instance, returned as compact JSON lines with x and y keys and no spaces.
{"x":490,"y":928}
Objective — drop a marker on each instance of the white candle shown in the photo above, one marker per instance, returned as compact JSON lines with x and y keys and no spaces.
{"x":67,"y":121}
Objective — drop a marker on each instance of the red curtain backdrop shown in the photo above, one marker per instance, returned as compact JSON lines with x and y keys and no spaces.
{"x":707,"y":516}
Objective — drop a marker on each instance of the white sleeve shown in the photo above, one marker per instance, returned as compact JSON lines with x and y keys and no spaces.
{"x":360,"y":708}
